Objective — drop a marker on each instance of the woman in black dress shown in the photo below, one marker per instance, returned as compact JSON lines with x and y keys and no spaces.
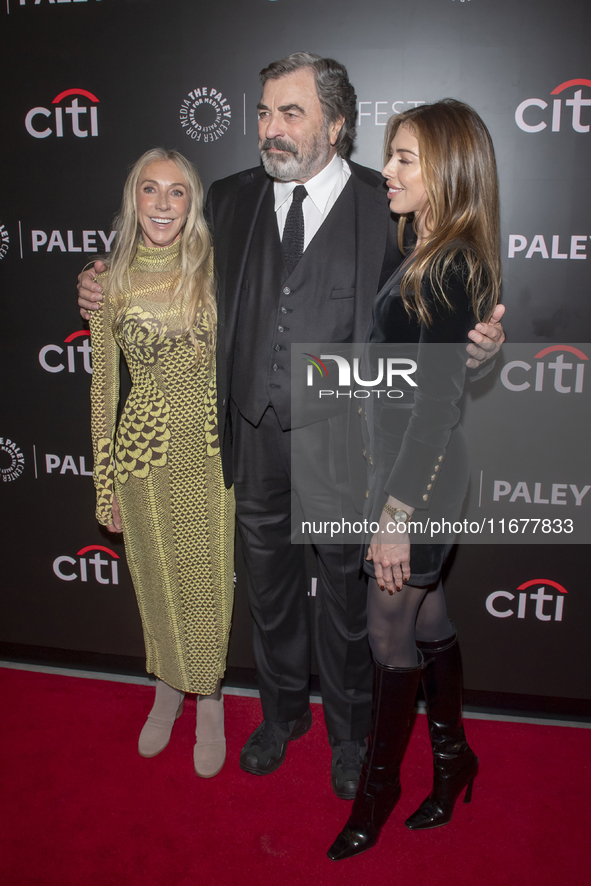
{"x":441,"y":173}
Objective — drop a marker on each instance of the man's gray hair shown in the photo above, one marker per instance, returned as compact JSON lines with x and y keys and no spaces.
{"x":335,"y":92}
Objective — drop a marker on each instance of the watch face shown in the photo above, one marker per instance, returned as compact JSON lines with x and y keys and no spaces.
{"x":400,"y":516}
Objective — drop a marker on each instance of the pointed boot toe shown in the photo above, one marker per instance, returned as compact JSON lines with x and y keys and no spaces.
{"x":350,"y":842}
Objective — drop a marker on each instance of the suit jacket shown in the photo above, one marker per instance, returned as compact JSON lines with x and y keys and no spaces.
{"x":233,"y":205}
{"x":407,"y":439}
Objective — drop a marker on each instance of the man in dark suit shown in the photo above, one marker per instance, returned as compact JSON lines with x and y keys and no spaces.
{"x":270,"y":297}
{"x":296,"y":266}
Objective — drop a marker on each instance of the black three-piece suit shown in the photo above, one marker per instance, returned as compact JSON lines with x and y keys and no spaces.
{"x":262,"y":309}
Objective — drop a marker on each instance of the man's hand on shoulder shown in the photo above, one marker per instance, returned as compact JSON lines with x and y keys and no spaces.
{"x":90,"y":294}
{"x":487,"y":339}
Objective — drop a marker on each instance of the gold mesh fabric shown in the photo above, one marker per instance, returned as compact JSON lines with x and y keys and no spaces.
{"x":163,"y":463}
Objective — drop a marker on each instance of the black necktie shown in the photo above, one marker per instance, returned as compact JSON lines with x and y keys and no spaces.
{"x":293,"y":232}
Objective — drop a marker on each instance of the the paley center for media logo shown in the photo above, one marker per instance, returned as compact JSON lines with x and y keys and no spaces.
{"x":4,"y":241}
{"x":205,"y":114}
{"x":12,"y":460}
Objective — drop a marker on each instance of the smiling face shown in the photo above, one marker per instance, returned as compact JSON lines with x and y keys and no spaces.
{"x":406,"y":191}
{"x":162,"y":203}
{"x":295,"y":141}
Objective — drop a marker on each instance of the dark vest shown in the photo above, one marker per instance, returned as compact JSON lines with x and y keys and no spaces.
{"x":315,"y":303}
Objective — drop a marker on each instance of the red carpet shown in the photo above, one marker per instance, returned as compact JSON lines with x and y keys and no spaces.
{"x":80,"y":807}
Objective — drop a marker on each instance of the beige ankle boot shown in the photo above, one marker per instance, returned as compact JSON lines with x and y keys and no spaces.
{"x":209,"y":752}
{"x":168,"y":706}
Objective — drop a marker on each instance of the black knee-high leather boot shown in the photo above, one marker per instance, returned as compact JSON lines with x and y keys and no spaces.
{"x":455,"y":765}
{"x":395,"y":691}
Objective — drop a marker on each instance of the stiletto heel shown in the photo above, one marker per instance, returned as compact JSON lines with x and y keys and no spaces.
{"x":468,"y":794}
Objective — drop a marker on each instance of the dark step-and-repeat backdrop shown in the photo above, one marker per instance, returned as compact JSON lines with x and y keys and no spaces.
{"x":89,"y":85}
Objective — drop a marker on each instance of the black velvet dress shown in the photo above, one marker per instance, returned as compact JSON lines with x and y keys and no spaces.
{"x":414,"y":446}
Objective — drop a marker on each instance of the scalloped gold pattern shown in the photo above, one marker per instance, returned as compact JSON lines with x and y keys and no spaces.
{"x":163,"y":462}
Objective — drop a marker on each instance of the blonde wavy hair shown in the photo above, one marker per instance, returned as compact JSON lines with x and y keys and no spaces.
{"x":195,"y":281}
{"x":462,"y":217}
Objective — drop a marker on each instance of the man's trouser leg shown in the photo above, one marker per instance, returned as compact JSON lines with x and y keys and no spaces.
{"x":275,"y":569}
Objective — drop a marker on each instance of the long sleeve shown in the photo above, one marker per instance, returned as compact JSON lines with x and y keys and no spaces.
{"x":104,"y":395}
{"x":441,"y":374}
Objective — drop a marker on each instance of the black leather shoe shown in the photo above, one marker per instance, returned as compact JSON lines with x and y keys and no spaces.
{"x":347,"y":758}
{"x":265,"y":750}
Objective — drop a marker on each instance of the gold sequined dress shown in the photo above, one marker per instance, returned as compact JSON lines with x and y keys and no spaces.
{"x":163,"y":463}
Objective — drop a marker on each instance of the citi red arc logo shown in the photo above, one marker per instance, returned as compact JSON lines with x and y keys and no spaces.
{"x":528,"y":121}
{"x":79,"y":121}
{"x":568,"y":83}
{"x":72,"y":361}
{"x":565,"y":376}
{"x":548,"y":607}
{"x":570,"y":348}
{"x":104,"y":571}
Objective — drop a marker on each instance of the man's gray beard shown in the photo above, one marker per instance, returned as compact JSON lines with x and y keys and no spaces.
{"x":294,"y":167}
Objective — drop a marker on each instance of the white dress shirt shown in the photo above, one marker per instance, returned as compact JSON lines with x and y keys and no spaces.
{"x":323,"y":189}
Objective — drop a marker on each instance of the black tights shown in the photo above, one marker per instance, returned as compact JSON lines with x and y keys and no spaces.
{"x":396,"y":622}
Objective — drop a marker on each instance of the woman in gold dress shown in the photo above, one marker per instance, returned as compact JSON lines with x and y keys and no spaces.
{"x":158,"y":474}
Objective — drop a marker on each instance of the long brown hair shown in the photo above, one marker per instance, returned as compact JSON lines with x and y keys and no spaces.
{"x":195,"y":280}
{"x":462,"y":217}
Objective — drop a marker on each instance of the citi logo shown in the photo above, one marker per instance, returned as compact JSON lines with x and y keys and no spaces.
{"x":72,"y":361}
{"x":574,"y":247}
{"x":564,"y":377}
{"x":76,"y":112}
{"x":103,"y":570}
{"x":547,"y":607}
{"x":533,"y":123}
